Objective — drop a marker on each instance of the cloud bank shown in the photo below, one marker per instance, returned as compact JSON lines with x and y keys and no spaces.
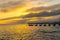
{"x":42,"y":14}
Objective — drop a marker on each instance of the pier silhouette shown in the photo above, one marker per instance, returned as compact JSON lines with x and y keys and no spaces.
{"x":44,"y":24}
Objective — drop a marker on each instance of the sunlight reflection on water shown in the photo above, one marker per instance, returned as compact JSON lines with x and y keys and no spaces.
{"x":23,"y":30}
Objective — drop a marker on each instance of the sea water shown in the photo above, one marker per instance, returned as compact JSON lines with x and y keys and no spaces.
{"x":25,"y":32}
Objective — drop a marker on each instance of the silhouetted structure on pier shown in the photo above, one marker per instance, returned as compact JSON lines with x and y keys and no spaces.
{"x":44,"y":24}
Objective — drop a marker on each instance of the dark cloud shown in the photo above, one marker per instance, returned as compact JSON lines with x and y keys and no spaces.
{"x":50,"y":19}
{"x":42,"y":14}
{"x":18,"y":22}
{"x":55,"y":10}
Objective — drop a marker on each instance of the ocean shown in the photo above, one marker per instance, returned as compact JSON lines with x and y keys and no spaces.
{"x":25,"y":32}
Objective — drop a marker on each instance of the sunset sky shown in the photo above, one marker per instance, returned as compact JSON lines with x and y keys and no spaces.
{"x":22,"y":8}
{"x":15,"y":16}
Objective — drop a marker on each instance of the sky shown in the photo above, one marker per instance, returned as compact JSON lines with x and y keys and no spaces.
{"x":22,"y":8}
{"x":10,"y":4}
{"x":43,"y":2}
{"x":14,"y":13}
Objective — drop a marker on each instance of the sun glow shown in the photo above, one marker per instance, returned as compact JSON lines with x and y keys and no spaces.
{"x":14,"y":13}
{"x":11,"y":13}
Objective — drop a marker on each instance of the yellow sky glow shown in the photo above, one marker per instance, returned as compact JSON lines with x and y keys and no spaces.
{"x":14,"y":13}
